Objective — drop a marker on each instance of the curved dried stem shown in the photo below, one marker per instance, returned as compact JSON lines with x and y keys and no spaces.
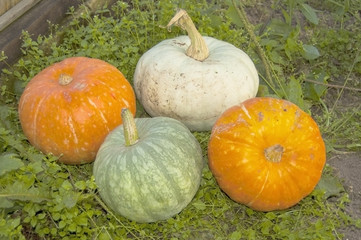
{"x":198,"y":48}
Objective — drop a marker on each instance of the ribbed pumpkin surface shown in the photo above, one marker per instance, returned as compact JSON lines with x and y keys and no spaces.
{"x":193,"y":92}
{"x":71,"y":118}
{"x":153,"y":179}
{"x":266,"y":153}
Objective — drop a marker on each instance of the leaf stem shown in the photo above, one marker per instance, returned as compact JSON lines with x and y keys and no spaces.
{"x":242,"y":15}
{"x":346,"y":80}
{"x":105,"y":207}
{"x":332,"y":85}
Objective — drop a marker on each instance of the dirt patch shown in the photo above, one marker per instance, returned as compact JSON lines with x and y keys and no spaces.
{"x":348,"y":168}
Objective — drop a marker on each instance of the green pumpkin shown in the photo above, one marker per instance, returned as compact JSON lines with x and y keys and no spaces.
{"x":152,"y":177}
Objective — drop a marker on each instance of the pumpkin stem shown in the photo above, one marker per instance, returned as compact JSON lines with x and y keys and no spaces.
{"x":130,"y":130}
{"x":65,"y":79}
{"x":274,"y":153}
{"x":198,"y":48}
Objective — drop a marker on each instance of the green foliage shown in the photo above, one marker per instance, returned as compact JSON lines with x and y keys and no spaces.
{"x":40,"y":198}
{"x":342,"y":130}
{"x":298,"y":49}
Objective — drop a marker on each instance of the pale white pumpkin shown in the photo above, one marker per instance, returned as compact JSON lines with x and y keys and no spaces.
{"x":168,"y":81}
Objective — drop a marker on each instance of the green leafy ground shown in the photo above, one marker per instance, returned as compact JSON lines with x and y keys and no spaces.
{"x":307,"y":52}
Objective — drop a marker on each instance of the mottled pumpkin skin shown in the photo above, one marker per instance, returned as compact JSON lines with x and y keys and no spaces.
{"x":71,"y":121}
{"x":237,"y":157}
{"x":169,"y":83}
{"x":155,"y":178}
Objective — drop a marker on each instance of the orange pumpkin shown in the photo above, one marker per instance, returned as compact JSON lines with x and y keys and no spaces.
{"x":68,"y":108}
{"x":266,"y":153}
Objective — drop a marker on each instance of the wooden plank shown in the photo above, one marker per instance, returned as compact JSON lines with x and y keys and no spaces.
{"x":15,"y":12}
{"x":6,"y":5}
{"x":35,"y":21}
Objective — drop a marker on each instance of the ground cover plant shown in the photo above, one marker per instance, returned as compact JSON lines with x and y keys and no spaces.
{"x":306,"y":52}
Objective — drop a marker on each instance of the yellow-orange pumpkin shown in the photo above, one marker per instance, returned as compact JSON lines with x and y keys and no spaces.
{"x":68,"y":108}
{"x":266,"y":153}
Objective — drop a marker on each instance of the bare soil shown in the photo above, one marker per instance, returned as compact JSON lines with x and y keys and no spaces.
{"x":347,"y":165}
{"x":348,"y":168}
